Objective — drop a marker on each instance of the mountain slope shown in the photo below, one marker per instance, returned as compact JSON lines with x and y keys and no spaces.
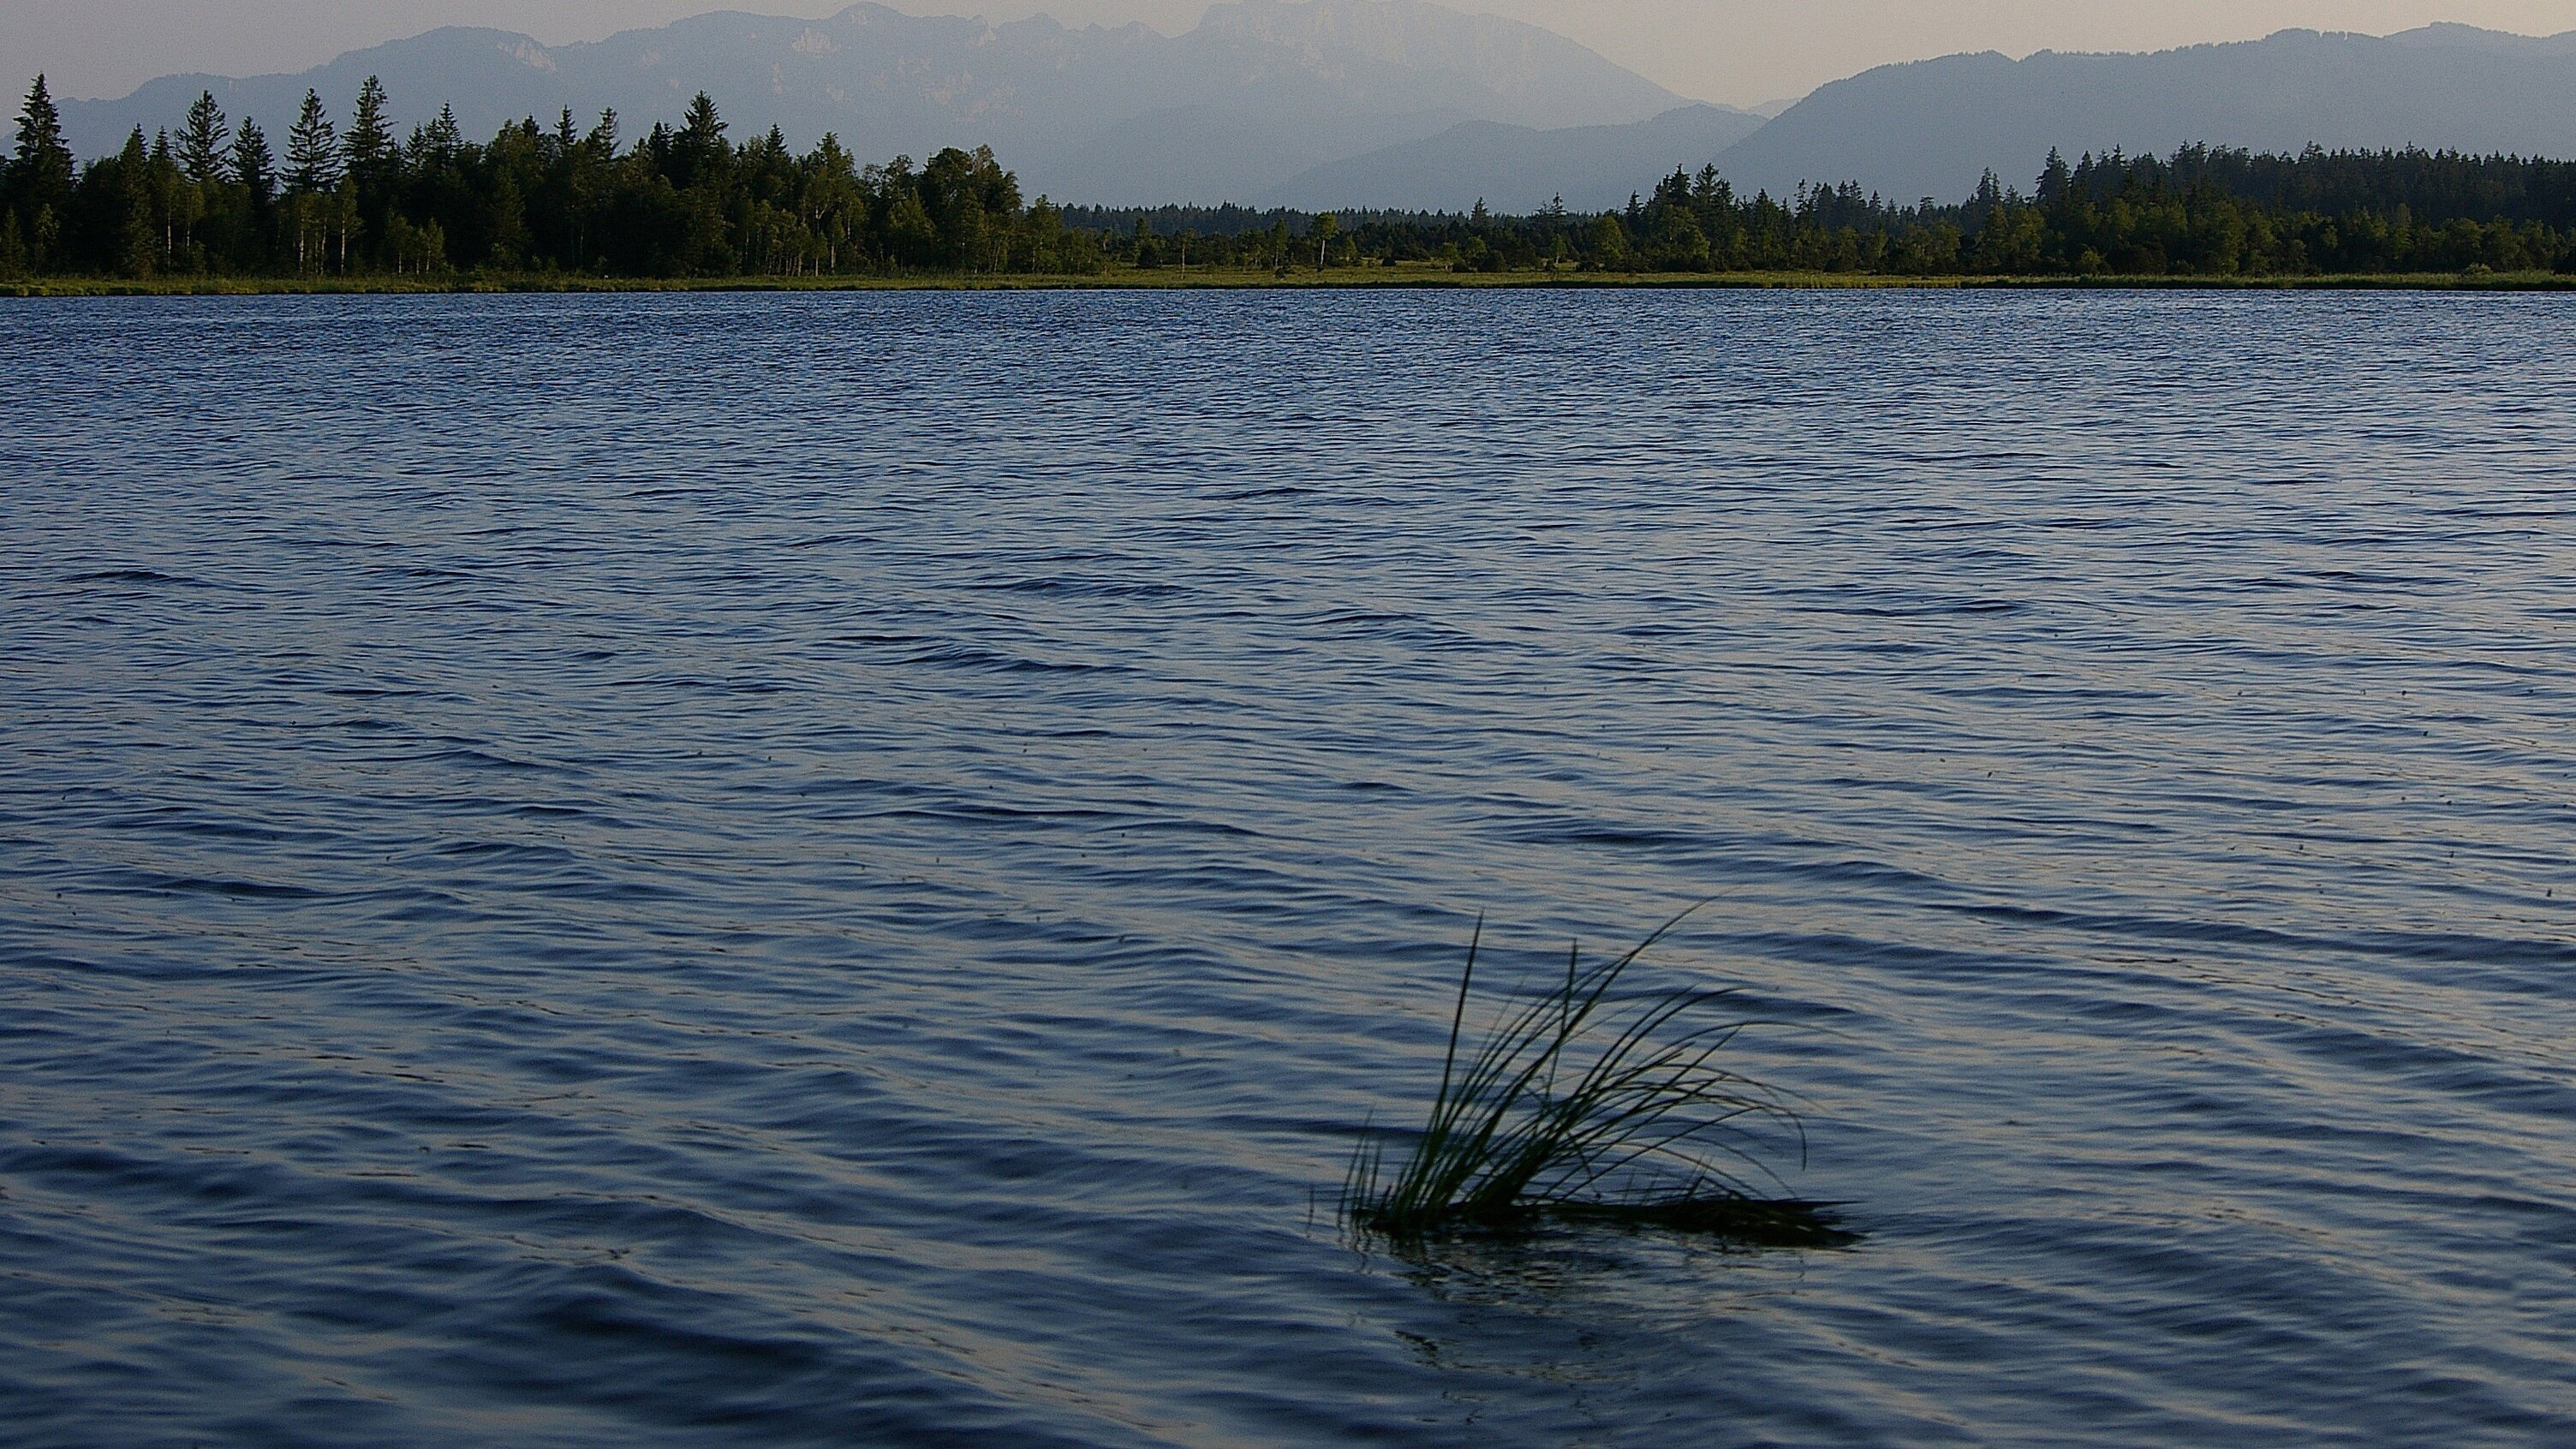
{"x":1089,"y":114}
{"x":1517,"y":169}
{"x":1932,"y":127}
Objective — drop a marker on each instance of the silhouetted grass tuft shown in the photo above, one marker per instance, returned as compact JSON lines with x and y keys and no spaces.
{"x":1587,"y":1106}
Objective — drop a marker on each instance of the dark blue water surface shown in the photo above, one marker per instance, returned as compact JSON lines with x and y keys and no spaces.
{"x":844,"y":869}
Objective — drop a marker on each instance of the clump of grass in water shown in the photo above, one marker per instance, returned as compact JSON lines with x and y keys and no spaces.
{"x":1582,"y":1106}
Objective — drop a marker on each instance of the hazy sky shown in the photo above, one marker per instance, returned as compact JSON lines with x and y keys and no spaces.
{"x":1740,"y":51}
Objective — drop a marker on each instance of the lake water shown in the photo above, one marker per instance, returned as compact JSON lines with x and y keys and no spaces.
{"x":845,"y":869}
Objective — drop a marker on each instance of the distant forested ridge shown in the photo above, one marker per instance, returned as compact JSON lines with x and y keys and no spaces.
{"x":349,"y":199}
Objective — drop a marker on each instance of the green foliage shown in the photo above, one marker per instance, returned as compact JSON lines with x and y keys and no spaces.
{"x":2202,"y":212}
{"x":112,"y":214}
{"x":40,"y":167}
{"x":312,"y":150}
{"x":685,"y":201}
{"x":254,"y":165}
{"x":36,"y":185}
{"x":692,"y":201}
{"x":370,"y":142}
{"x":201,"y":141}
{"x":1585,"y":1103}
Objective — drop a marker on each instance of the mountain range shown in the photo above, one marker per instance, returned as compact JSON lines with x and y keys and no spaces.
{"x":1259,"y":92}
{"x":1403,"y":103}
{"x":1932,"y":127}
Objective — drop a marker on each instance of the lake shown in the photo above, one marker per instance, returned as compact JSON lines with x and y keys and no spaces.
{"x":848,"y":868}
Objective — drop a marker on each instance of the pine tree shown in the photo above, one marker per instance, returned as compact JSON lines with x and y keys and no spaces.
{"x":701,"y":123}
{"x":254,"y":189}
{"x":201,"y":141}
{"x":312,"y":169}
{"x":312,"y":150}
{"x":699,"y":151}
{"x":2052,"y":181}
{"x":40,"y":172}
{"x":440,"y":140}
{"x":370,"y":143}
{"x":254,"y":165}
{"x":133,"y":247}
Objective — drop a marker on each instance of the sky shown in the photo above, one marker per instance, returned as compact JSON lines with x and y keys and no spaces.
{"x":1741,"y":52}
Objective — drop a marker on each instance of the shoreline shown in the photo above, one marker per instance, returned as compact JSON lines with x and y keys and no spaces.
{"x":1398,"y":278}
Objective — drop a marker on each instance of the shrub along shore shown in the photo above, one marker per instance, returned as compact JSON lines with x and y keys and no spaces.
{"x":212,"y":208}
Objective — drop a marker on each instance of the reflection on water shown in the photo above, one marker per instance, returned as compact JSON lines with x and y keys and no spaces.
{"x":800,"y":870}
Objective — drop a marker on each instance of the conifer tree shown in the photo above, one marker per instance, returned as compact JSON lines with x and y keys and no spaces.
{"x":312,"y":150}
{"x":312,"y":170}
{"x":254,"y":165}
{"x":438,"y":142}
{"x":370,"y":143}
{"x":127,"y":225}
{"x":252,"y":197}
{"x":201,"y":141}
{"x":698,"y":150}
{"x":40,"y":170}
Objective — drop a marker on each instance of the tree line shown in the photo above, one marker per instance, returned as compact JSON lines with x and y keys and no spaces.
{"x":2203,"y":211}
{"x":686,"y":200}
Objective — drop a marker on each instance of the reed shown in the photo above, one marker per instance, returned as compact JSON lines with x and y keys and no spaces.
{"x":1588,"y":1104}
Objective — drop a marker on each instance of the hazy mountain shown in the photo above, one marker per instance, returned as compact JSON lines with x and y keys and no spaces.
{"x":1931,"y":128}
{"x":1260,"y":91}
{"x":1517,"y":169}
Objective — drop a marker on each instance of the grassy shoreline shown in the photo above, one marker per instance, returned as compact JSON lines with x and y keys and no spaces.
{"x":1123,"y":278}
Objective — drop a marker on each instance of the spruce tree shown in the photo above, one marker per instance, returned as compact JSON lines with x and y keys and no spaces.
{"x":2053,"y":180}
{"x":40,"y":171}
{"x":699,"y":150}
{"x":201,"y":141}
{"x":312,"y":150}
{"x":254,"y":175}
{"x":370,"y":143}
{"x":438,"y":143}
{"x":131,"y":239}
{"x":254,"y":165}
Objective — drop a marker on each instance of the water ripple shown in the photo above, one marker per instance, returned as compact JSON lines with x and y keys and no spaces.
{"x":844,"y":869}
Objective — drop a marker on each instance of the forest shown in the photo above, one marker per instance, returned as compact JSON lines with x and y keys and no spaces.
{"x":348,"y":198}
